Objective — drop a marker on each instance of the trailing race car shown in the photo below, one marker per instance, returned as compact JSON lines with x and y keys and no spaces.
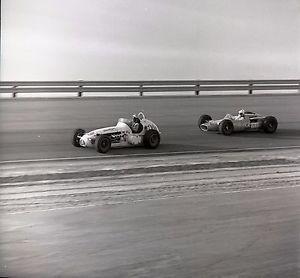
{"x":135,"y":132}
{"x":244,"y":121}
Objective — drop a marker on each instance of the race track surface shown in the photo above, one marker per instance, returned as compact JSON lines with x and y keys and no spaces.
{"x":37,"y":129}
{"x":201,"y":205}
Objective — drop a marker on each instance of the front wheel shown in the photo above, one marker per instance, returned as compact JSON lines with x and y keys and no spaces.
{"x":78,"y":133}
{"x":226,"y":127}
{"x":203,"y":119}
{"x":151,"y":139}
{"x":103,"y":144}
{"x":269,"y":124}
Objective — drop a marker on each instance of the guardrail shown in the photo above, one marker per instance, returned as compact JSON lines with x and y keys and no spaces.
{"x":142,"y":87}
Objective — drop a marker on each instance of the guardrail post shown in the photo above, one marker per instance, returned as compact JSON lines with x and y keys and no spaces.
{"x":80,"y":91}
{"x":250,"y":88}
{"x":197,"y":90}
{"x":141,"y":90}
{"x":14,"y":94}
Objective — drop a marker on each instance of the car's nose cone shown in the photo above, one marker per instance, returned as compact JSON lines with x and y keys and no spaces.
{"x":82,"y":142}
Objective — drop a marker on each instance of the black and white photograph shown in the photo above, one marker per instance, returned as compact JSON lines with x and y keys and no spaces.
{"x":150,"y":138}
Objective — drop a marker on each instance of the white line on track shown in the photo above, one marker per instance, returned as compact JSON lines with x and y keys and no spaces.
{"x":147,"y":154}
{"x":157,"y":199}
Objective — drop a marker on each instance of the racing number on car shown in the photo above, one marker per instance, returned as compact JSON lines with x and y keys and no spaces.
{"x":254,"y":125}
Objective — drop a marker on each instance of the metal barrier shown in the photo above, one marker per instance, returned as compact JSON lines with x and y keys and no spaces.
{"x":142,"y":87}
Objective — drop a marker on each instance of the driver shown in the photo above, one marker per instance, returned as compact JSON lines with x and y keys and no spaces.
{"x":135,"y":123}
{"x":241,"y":115}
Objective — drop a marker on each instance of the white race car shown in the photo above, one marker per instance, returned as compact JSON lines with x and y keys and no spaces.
{"x":244,"y":121}
{"x":136,"y":132}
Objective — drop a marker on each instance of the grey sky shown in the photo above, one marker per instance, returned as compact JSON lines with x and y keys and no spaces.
{"x":149,"y":39}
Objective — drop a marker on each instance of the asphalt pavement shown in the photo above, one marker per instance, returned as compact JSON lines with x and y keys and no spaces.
{"x":43,"y":128}
{"x":201,"y":205}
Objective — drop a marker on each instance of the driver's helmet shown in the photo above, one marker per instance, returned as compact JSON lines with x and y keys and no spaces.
{"x":242,"y":113}
{"x":135,"y":119}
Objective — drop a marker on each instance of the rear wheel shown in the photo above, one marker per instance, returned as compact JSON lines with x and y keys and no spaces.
{"x":269,"y":124}
{"x":103,"y":144}
{"x":203,"y":119}
{"x":226,"y":127}
{"x":151,"y":139}
{"x":76,"y":137}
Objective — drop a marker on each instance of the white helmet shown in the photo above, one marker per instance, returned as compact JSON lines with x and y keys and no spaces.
{"x":242,"y":113}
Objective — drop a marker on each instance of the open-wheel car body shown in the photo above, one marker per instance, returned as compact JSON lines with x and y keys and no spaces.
{"x":137,"y":131}
{"x":244,"y":121}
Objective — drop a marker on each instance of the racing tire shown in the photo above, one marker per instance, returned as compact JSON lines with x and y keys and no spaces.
{"x":203,"y":119}
{"x":226,"y":127}
{"x":151,"y":139}
{"x":269,"y":124}
{"x":76,"y":137}
{"x":103,"y":144}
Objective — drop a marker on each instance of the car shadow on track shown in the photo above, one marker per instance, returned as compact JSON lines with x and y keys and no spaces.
{"x":162,"y":149}
{"x":279,"y":134}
